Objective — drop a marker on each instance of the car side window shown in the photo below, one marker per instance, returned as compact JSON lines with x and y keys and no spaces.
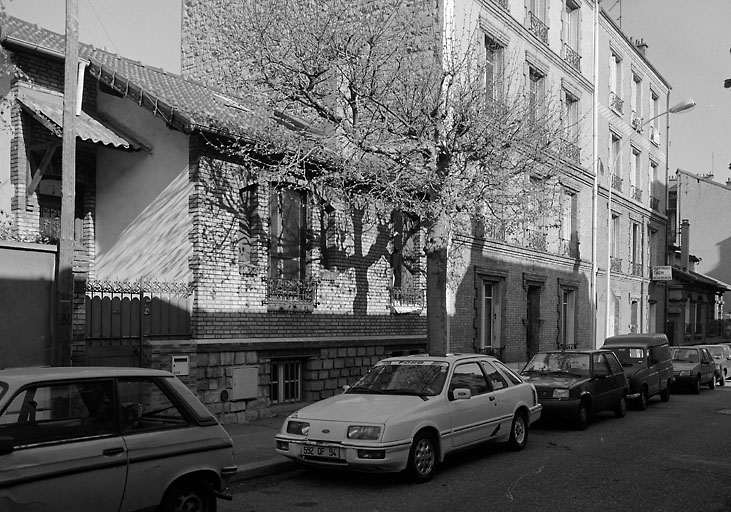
{"x":510,"y":374}
{"x":146,"y":406}
{"x":600,"y":366}
{"x":494,"y":378}
{"x":469,"y":376}
{"x":614,"y":365}
{"x":60,"y":412}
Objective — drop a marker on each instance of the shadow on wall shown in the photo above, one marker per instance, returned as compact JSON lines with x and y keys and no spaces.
{"x":722,"y":271}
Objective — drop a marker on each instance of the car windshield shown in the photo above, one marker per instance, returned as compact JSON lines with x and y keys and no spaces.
{"x":685,"y":354}
{"x":629,"y":355}
{"x":559,"y":362}
{"x":424,"y":378}
{"x":715,"y":351}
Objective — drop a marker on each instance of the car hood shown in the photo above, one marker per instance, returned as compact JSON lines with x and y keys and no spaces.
{"x":360,"y":407}
{"x":554,"y":381}
{"x":684,"y":365}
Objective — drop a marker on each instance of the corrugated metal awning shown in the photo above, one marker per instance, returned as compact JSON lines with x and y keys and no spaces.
{"x":47,"y":108}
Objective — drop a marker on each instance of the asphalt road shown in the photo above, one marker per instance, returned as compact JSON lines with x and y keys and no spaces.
{"x":674,"y":456}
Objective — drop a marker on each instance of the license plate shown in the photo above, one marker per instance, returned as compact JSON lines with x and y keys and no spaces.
{"x":330,"y":452}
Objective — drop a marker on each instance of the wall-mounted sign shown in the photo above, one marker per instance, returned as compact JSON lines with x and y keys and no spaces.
{"x":662,"y":273}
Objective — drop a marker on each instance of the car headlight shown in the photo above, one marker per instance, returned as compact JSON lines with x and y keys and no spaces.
{"x":301,"y":428}
{"x":685,"y":373}
{"x":364,"y":432}
{"x":560,"y":393}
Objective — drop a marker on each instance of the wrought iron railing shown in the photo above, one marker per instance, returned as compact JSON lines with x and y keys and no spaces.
{"x":572,"y":57}
{"x":502,"y":3}
{"x":636,"y":193}
{"x":615,"y":264}
{"x":635,"y":269}
{"x":535,"y":239}
{"x":616,"y":102}
{"x":636,"y":122}
{"x":568,"y":247}
{"x":495,"y":231}
{"x":654,"y":135}
{"x":617,"y":182}
{"x":290,"y":291}
{"x":655,"y":203}
{"x":537,"y":27}
{"x":407,"y":299}
{"x":571,"y":151}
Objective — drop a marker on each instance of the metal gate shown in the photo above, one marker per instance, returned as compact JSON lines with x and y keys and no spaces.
{"x":121,"y":315}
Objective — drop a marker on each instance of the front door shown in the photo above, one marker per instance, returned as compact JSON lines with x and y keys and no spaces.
{"x":475,"y":418}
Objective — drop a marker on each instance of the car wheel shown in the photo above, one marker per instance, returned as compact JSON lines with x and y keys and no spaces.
{"x":712,"y":383}
{"x":518,"y":433}
{"x":582,"y":416}
{"x":190,"y":495}
{"x":665,"y":394}
{"x":620,"y":411}
{"x":696,"y":386}
{"x":422,"y":457}
{"x":642,"y":400}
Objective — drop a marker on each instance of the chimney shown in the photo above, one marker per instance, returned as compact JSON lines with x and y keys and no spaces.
{"x":641,"y":46}
{"x":684,"y":244}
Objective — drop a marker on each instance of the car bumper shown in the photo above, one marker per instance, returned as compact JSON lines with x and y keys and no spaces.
{"x":560,"y":407}
{"x":535,"y":413}
{"x":376,"y":457}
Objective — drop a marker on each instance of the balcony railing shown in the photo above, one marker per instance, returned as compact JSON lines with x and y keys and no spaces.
{"x":537,"y":27}
{"x":654,"y":135}
{"x":535,"y":239}
{"x":568,"y":248}
{"x":290,"y":293}
{"x":635,"y":269}
{"x":502,"y":3}
{"x":636,"y":122}
{"x":616,"y":102}
{"x":615,"y":264}
{"x":617,"y":182}
{"x":655,"y":203}
{"x":636,"y":193}
{"x":406,"y":300}
{"x":572,"y":57}
{"x":495,"y":231}
{"x":571,"y":151}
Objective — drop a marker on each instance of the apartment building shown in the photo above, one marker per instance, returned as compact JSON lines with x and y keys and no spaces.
{"x":632,"y":131}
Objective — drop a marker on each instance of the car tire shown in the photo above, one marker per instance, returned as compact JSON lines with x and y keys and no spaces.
{"x":423,"y":458}
{"x":189,"y":495}
{"x":642,"y":399}
{"x":696,"y":386}
{"x":665,"y":394}
{"x":583,"y":416}
{"x":620,"y":411}
{"x":518,"y":432}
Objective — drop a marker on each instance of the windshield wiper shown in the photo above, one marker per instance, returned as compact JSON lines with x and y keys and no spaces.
{"x":363,"y":389}
{"x":410,"y":392}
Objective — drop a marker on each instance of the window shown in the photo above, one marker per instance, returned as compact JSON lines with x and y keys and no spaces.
{"x":654,"y":108}
{"x":285,"y":381}
{"x":536,"y":93}
{"x":494,"y":378}
{"x":566,"y":224}
{"x":615,"y":159}
{"x":653,"y":246}
{"x":512,"y":377}
{"x":634,"y":315}
{"x":404,"y":255}
{"x":250,"y":230}
{"x":571,"y":124}
{"x":60,"y":412}
{"x":601,"y":368}
{"x":615,"y":236}
{"x":572,"y":35}
{"x":568,"y":317}
{"x":636,"y":249}
{"x":636,"y":99}
{"x":469,"y":376}
{"x":145,"y":406}
{"x":288,"y":230}
{"x":489,"y":315}
{"x":537,"y":19}
{"x":494,"y":55}
{"x":615,"y":83}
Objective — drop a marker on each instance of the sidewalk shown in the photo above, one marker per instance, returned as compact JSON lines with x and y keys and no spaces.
{"x":254,"y":452}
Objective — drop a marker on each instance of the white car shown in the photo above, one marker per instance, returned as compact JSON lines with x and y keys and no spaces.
{"x":408,"y":412}
{"x":722,"y":356}
{"x":108,"y":439}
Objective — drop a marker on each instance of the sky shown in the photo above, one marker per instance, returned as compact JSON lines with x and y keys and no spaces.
{"x":688,"y":44}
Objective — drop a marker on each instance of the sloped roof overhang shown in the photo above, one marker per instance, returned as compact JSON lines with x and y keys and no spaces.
{"x":47,"y":108}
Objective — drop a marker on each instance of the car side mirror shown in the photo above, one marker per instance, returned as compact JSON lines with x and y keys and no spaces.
{"x":461,"y":394}
{"x":7,"y":444}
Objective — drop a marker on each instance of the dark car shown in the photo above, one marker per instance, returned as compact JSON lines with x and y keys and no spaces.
{"x":694,"y":367}
{"x":576,"y":384}
{"x":647,"y":363}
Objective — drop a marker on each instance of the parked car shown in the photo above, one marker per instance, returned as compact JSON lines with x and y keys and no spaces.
{"x":108,"y":439}
{"x":693,"y":367}
{"x":647,"y":363}
{"x":721,"y":354}
{"x":576,"y":384}
{"x":408,"y":413}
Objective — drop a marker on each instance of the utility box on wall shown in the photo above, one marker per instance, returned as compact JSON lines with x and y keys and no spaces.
{"x":181,"y":365}
{"x":245,"y":383}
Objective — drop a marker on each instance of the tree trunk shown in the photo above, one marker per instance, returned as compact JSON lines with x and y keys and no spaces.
{"x":436,"y":288}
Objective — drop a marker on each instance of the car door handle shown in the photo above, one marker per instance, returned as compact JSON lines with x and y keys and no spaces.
{"x":112,"y":451}
{"x":492,"y":398}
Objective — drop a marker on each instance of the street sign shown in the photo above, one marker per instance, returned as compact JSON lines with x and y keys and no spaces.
{"x":662,"y":273}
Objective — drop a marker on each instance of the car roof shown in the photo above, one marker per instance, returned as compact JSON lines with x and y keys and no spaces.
{"x":448,"y":358}
{"x":47,"y":373}
{"x":637,"y":339}
{"x":577,"y":351}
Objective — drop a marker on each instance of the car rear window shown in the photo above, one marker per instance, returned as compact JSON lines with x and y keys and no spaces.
{"x":3,"y":389}
{"x":191,"y":400}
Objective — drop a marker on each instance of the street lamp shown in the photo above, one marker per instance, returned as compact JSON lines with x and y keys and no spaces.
{"x":683,"y":106}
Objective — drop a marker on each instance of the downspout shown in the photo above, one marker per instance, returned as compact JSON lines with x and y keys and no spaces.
{"x":595,"y":186}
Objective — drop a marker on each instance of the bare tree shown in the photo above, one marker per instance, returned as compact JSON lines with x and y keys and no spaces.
{"x":385,"y":105}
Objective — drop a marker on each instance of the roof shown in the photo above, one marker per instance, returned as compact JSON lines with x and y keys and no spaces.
{"x":184,"y":104}
{"x":688,"y":276}
{"x":47,"y":108}
{"x":636,"y":339}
